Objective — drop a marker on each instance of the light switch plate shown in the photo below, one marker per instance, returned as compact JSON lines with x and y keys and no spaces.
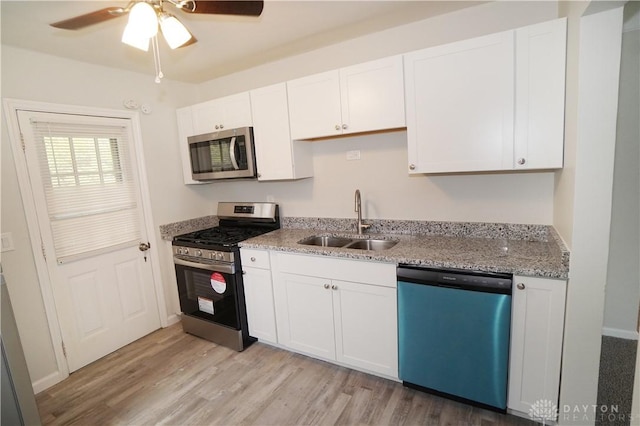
{"x":7,"y":241}
{"x":353,"y":155}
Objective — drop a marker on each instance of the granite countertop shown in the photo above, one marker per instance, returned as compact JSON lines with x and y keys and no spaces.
{"x":542,"y":257}
{"x":531,"y":250}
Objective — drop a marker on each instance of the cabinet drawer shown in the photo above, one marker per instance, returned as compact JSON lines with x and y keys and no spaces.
{"x":254,"y":258}
{"x":376,"y":273}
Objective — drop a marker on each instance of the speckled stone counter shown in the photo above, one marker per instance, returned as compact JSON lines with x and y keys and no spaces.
{"x":531,"y":250}
{"x":170,"y":230}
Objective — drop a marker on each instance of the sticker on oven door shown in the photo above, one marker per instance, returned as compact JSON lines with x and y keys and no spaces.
{"x":205,"y":305}
{"x":218,"y":283}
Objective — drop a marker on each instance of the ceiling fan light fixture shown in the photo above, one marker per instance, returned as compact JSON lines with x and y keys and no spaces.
{"x":131,"y":37}
{"x":143,"y":20}
{"x":174,"y":32}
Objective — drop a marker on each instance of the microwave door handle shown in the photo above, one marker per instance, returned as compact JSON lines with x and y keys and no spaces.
{"x":232,"y":153}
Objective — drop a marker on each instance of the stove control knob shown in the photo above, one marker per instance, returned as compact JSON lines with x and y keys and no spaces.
{"x":186,"y":251}
{"x":198,"y":252}
{"x":219,"y":256}
{"x":179,"y":251}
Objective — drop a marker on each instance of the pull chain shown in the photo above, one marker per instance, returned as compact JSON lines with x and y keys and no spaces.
{"x":156,"y":58}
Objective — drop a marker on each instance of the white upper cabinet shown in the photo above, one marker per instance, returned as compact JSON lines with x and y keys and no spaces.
{"x":278,"y":157}
{"x":355,"y":99}
{"x":540,"y":86}
{"x":229,"y":112}
{"x":185,"y":129}
{"x":460,"y":105}
{"x":489,"y":103}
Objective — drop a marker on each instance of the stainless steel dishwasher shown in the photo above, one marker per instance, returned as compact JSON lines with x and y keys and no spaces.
{"x":453,"y":333}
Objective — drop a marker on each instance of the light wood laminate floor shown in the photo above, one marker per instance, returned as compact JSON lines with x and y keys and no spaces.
{"x":173,"y":378}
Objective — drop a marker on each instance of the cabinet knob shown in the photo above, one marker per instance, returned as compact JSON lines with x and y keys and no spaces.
{"x":222,"y":126}
{"x":520,"y":286}
{"x":412,"y":166}
{"x":253,"y":259}
{"x":217,"y":127}
{"x":334,"y":287}
{"x":326,"y":286}
{"x":337,"y":127}
{"x":521,"y":161}
{"x":344,"y":126}
{"x":259,"y":175}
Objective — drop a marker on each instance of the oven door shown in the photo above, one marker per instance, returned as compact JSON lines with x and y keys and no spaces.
{"x":209,"y":292}
{"x":222,"y":155}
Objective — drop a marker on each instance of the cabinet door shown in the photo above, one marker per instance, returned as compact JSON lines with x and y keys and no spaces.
{"x":537,"y":325}
{"x":185,"y":129}
{"x":229,"y":112}
{"x":366,"y":327}
{"x":540,"y":83}
{"x":304,"y":309}
{"x":372,"y":95}
{"x":207,"y":116}
{"x":236,"y":111}
{"x":258,"y":294}
{"x":314,"y":106}
{"x":460,"y":105}
{"x":274,"y":147}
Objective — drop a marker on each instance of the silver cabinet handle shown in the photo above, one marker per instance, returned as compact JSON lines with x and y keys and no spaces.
{"x":253,"y":259}
{"x":222,"y":126}
{"x":520,"y":286}
{"x":412,"y":166}
{"x":344,"y":126}
{"x":334,"y":287}
{"x":337,"y":127}
{"x":217,"y":126}
{"x":326,"y":286}
{"x":522,"y":161}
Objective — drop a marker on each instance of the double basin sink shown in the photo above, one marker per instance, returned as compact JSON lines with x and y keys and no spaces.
{"x":350,"y":243}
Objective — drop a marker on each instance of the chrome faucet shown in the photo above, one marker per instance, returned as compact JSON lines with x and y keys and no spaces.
{"x":361,"y":226}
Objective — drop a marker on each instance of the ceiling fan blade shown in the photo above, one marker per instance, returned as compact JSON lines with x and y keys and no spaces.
{"x":89,"y":19}
{"x":224,"y":7}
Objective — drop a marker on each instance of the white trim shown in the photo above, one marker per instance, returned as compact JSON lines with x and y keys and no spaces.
{"x":47,"y":381}
{"x":620,"y":333}
{"x":11,"y":106}
{"x":172,"y":319}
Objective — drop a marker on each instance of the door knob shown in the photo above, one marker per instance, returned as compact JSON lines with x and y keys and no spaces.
{"x":144,"y":246}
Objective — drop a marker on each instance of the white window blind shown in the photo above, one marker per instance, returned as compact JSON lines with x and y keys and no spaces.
{"x":89,"y":187}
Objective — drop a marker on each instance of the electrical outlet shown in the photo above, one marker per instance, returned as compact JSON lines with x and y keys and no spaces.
{"x":7,"y":241}
{"x":353,"y":155}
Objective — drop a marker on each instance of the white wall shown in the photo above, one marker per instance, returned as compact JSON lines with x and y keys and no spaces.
{"x":388,"y":192}
{"x":597,"y":102}
{"x":623,"y":276}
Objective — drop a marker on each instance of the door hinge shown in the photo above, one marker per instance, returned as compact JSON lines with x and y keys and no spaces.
{"x":64,"y":349}
{"x":22,"y":142}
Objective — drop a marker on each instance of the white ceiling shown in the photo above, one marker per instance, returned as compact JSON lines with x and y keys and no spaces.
{"x":226,"y":44}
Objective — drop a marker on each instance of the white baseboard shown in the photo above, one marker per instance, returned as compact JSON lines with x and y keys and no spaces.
{"x":622,"y":334}
{"x":173,"y":319}
{"x":47,"y":381}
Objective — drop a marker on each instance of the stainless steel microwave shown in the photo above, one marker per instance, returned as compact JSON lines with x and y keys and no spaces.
{"x":227,"y":154}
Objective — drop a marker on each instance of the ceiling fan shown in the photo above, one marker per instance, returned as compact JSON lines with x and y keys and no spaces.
{"x":220,"y":7}
{"x":147,"y":16}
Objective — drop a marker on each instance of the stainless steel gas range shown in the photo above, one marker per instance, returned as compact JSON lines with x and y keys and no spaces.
{"x":209,"y":273}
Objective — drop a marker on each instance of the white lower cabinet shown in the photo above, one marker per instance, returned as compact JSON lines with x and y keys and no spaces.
{"x":258,"y":295}
{"x":338,"y":310}
{"x":537,"y":325}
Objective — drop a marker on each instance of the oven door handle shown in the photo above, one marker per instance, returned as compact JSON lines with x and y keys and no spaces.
{"x":232,"y":153}
{"x":221,"y":267}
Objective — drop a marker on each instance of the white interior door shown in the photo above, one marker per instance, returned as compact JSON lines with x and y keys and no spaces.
{"x":85,"y":184}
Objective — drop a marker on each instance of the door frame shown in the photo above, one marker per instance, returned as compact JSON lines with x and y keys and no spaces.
{"x":11,"y":106}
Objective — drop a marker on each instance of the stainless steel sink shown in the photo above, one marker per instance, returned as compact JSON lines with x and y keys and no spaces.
{"x":374,"y":245}
{"x":325,"y":241}
{"x":357,"y":244}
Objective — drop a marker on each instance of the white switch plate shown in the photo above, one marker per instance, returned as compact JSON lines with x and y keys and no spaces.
{"x":7,"y":241}
{"x":353,"y":155}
